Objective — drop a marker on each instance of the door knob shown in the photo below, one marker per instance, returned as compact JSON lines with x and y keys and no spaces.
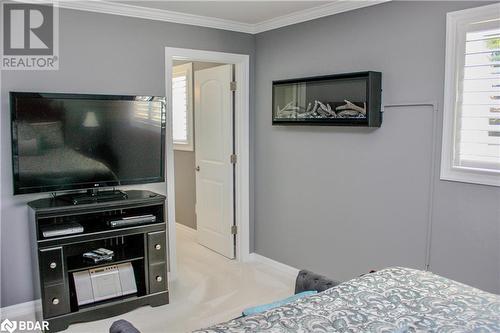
{"x":197,"y":168}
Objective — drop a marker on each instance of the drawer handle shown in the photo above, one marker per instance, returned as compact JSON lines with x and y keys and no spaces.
{"x":158,"y":246}
{"x":55,"y":301}
{"x":159,"y":278}
{"x":53,"y":265}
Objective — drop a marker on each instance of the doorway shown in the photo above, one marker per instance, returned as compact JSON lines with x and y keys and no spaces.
{"x":218,"y":146}
{"x":203,"y":145}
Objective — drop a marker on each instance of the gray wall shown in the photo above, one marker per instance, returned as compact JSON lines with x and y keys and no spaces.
{"x":185,"y":188}
{"x":99,"y":53}
{"x":342,"y":201}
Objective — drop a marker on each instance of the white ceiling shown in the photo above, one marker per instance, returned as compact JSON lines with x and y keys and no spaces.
{"x":251,"y":12}
{"x":244,"y":16}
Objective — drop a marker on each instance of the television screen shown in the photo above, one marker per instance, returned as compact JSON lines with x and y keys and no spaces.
{"x":73,"y":141}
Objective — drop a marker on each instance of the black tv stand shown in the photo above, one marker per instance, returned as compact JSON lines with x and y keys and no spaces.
{"x":56,"y":259}
{"x":92,"y":196}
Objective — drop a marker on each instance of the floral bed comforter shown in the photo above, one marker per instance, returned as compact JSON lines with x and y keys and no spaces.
{"x":395,"y":300}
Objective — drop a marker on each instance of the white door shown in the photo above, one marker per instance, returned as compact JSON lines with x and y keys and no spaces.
{"x":213,"y":149}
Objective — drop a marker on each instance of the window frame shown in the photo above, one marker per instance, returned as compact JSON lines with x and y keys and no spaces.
{"x":186,"y":70}
{"x":456,"y":23}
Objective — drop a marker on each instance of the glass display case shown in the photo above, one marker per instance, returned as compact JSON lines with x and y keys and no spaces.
{"x":351,"y":99}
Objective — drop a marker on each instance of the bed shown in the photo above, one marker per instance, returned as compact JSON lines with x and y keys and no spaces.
{"x":391,"y":300}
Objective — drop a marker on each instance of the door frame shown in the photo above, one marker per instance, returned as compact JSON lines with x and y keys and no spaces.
{"x":241,"y":64}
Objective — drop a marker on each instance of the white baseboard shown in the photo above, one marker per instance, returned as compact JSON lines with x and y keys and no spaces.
{"x":190,"y":231}
{"x":20,"y":310}
{"x":275,"y":264}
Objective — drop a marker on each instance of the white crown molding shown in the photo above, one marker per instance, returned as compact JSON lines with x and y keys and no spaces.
{"x":314,"y":13}
{"x":108,"y":7}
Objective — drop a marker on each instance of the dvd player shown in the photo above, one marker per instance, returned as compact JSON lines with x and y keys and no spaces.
{"x":132,"y":220}
{"x":64,"y":229}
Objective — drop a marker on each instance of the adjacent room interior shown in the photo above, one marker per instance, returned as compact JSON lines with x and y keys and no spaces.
{"x":202,"y":108}
{"x":250,"y":166}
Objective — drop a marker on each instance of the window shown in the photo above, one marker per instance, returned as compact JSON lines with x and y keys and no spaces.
{"x":471,"y":124}
{"x":148,"y":112}
{"x":182,"y":107}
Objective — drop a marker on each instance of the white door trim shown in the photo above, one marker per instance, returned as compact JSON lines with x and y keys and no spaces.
{"x":242,"y":144}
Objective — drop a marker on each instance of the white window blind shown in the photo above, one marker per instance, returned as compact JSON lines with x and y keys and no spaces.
{"x":147,"y":112}
{"x":478,"y":140}
{"x":182,"y":109}
{"x":471,"y":127}
{"x":179,"y":100}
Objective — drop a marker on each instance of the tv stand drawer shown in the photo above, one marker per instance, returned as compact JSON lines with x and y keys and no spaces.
{"x":156,"y":247}
{"x":55,"y":300}
{"x":51,"y":265}
{"x":157,"y":278}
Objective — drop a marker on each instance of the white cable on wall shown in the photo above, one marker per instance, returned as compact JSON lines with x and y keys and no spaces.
{"x":434,"y":134}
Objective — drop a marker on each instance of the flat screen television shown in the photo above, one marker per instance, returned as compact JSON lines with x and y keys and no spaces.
{"x":79,"y":141}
